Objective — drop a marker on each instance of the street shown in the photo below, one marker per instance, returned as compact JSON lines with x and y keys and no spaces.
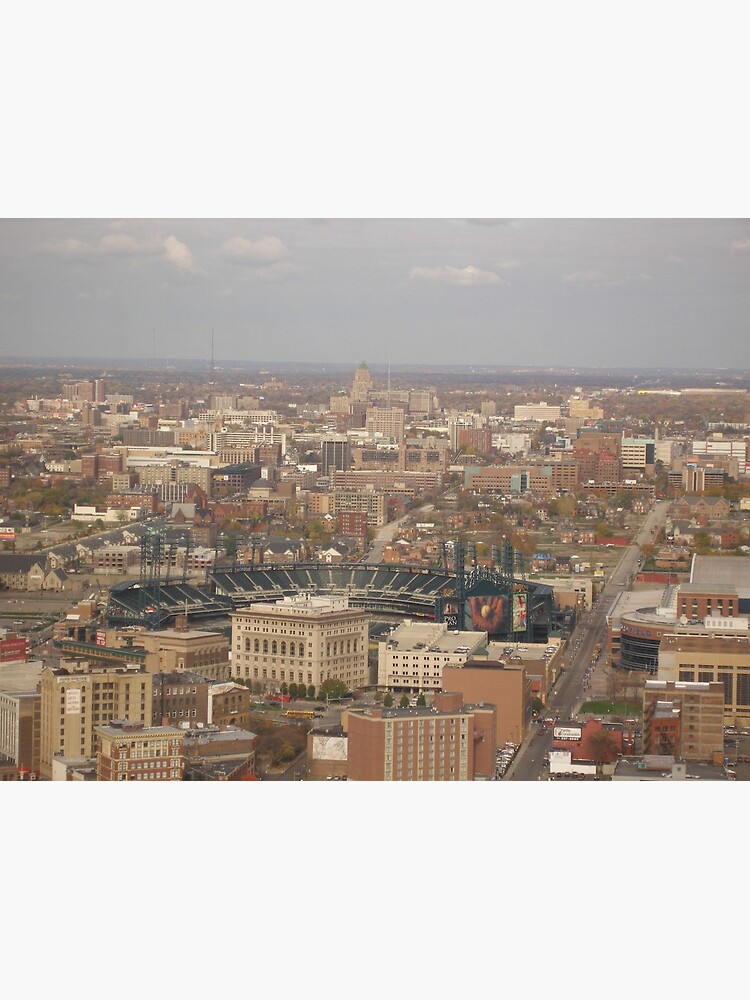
{"x":569,"y":692}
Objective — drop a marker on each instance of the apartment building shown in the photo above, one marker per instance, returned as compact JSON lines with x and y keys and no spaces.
{"x":301,"y":639}
{"x":542,"y":412}
{"x":684,"y":719}
{"x":448,"y":742}
{"x":78,"y":696}
{"x":385,"y":421}
{"x":134,"y":752}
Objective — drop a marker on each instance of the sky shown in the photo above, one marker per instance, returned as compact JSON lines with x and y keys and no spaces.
{"x":579,"y":292}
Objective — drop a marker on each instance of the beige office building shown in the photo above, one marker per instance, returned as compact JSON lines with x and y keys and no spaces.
{"x":20,"y":721}
{"x":684,"y":719}
{"x":78,"y":696}
{"x":302,"y":640}
{"x":412,"y":658}
{"x":707,"y":658}
{"x":178,"y":649}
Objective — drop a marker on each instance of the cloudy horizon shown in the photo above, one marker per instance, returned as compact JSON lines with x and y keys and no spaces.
{"x":561,"y":292}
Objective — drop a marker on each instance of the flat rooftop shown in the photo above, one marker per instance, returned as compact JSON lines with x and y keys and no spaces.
{"x":731,"y":570}
{"x":20,"y":677}
{"x":429,"y":637}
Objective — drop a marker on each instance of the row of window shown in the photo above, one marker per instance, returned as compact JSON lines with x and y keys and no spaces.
{"x":298,"y":649}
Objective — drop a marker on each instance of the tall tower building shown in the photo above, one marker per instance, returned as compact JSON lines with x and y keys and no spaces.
{"x":362,"y":384}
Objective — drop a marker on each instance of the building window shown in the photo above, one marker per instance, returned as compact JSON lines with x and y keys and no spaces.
{"x":743,"y":689}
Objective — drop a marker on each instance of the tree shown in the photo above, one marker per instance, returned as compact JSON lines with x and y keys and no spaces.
{"x":311,"y":691}
{"x":292,"y":690}
{"x":284,"y":688}
{"x":603,"y":748}
{"x":284,"y":753}
{"x":333,"y":689}
{"x":388,"y":700}
{"x":421,"y":701}
{"x":404,"y":702}
{"x":702,"y":543}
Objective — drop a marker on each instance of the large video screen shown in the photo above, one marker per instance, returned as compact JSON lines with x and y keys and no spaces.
{"x":487,"y":613}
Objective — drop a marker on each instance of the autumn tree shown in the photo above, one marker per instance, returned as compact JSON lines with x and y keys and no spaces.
{"x":603,"y":748}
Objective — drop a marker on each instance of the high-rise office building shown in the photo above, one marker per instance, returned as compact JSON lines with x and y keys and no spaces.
{"x":335,"y":453}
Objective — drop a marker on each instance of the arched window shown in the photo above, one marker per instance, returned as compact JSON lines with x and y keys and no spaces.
{"x":335,"y":649}
{"x":348,"y":645}
{"x":265,"y":645}
{"x":355,"y":645}
{"x":283,"y":649}
{"x":274,"y":647}
{"x":256,"y":646}
{"x":292,"y":649}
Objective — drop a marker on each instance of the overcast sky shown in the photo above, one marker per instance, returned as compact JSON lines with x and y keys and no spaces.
{"x":539,"y":292}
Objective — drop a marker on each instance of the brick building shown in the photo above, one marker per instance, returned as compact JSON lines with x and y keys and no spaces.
{"x":134,"y":752}
{"x":509,"y":690}
{"x":684,"y":719}
{"x":448,"y":742}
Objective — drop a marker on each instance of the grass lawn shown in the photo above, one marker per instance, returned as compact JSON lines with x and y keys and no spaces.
{"x":608,"y":707}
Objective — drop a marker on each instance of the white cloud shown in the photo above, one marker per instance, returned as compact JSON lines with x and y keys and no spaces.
{"x":741,"y":245}
{"x":462,"y":276}
{"x":177,"y":253}
{"x":120,"y":244}
{"x":257,"y":253}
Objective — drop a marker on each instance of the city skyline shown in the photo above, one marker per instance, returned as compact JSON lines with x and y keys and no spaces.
{"x":561,"y":292}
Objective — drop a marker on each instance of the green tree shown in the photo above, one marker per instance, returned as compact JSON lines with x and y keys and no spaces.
{"x":284,"y":688}
{"x":333,"y":688}
{"x":421,"y":700}
{"x":311,"y":691}
{"x":388,"y":700}
{"x":293,"y":690}
{"x":404,"y":701}
{"x":702,"y":543}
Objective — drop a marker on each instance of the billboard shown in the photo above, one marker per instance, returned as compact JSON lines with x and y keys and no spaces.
{"x":73,"y":701}
{"x":329,"y":748}
{"x":101,"y":637}
{"x":487,"y":613}
{"x":450,"y":613}
{"x":566,"y":733}
{"x":519,"y":612}
{"x":7,"y":534}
